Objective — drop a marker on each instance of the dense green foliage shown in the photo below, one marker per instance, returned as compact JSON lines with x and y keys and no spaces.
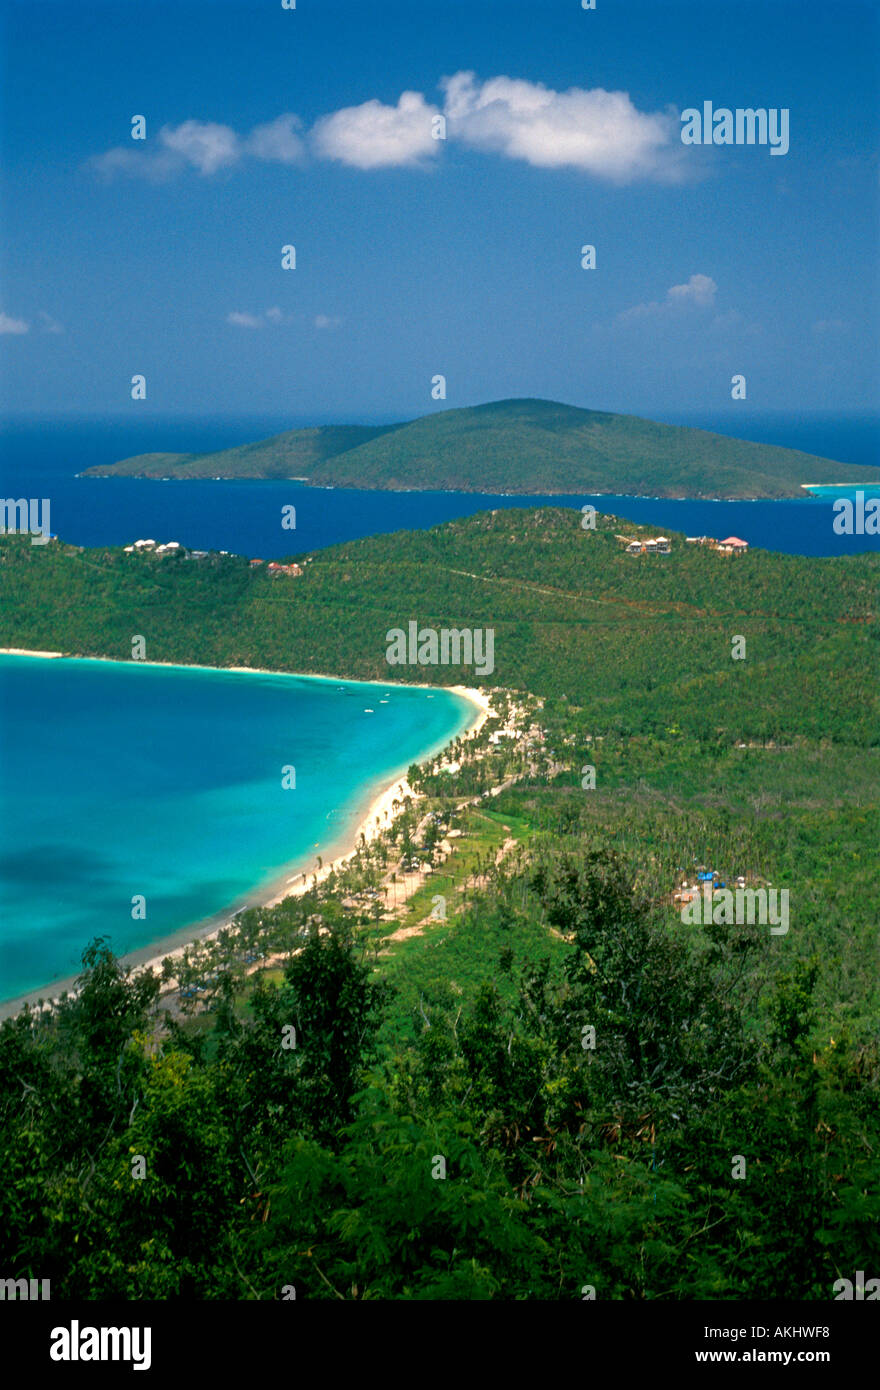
{"x":493,"y":1157}
{"x":443,"y":1127}
{"x":636,"y":643}
{"x":528,"y":446}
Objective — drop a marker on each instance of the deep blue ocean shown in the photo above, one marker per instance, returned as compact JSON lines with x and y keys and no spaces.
{"x":118,"y":779}
{"x":42,"y":460}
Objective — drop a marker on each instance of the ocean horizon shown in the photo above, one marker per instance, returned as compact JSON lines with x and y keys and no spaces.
{"x":165,"y":783}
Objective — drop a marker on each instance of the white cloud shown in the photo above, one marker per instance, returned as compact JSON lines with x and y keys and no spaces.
{"x":375,"y":136}
{"x":599,"y":132}
{"x":19,"y":326}
{"x":201,"y":145}
{"x":277,"y":141}
{"x":155,"y":167}
{"x":592,"y":130}
{"x":698,"y":292}
{"x":327,"y":321}
{"x":205,"y":145}
{"x":823,"y":326}
{"x":246,"y":320}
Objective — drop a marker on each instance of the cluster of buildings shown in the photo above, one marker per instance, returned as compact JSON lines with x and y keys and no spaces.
{"x":274,"y":569}
{"x":662,"y":545}
{"x":687,"y":892}
{"x":656,"y":545}
{"x":150,"y":547}
{"x":731,"y":546}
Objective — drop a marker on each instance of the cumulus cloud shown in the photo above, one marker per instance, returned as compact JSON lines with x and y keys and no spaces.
{"x":698,"y":292}
{"x":599,"y":132}
{"x":327,"y":321}
{"x":48,"y":324}
{"x":699,"y":289}
{"x":375,"y":136}
{"x":205,"y":145}
{"x":202,"y":145}
{"x":10,"y":325}
{"x":278,"y":142}
{"x":592,"y":130}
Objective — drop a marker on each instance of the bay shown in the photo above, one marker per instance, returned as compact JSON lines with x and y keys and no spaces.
{"x":119,"y":779}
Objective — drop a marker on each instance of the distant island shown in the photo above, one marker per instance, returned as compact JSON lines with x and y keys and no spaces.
{"x":514,"y":446}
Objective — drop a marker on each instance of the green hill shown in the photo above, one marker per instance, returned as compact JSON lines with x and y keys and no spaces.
{"x":632,"y":641}
{"x":518,"y":446}
{"x":293,"y":454}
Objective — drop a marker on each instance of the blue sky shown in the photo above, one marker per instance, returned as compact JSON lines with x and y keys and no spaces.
{"x":418,"y":256}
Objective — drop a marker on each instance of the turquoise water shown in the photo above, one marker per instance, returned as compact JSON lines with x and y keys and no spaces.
{"x":850,"y":490}
{"x":118,"y":779}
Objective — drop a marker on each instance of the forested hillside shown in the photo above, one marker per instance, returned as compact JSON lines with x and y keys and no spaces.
{"x":521,"y":446}
{"x":555,"y":1088}
{"x":293,"y":454}
{"x":635,"y":642}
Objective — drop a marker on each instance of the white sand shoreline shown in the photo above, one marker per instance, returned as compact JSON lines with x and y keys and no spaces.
{"x":25,"y":651}
{"x":285,"y":884}
{"x":476,"y":696}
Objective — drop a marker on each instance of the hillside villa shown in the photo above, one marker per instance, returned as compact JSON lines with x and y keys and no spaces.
{"x":169,"y":548}
{"x":656,"y":545}
{"x":731,"y":546}
{"x":275,"y":569}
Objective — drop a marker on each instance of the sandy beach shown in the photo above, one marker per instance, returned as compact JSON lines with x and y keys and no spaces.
{"x":297,"y":877}
{"x":23,"y":651}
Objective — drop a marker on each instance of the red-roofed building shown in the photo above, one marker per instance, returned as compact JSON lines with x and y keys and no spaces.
{"x":275,"y":569}
{"x":733,"y":546}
